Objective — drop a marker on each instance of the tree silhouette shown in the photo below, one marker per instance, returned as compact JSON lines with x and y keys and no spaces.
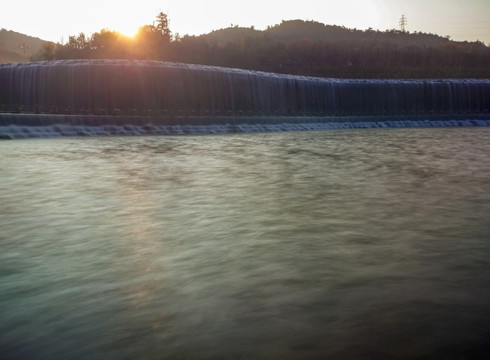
{"x":162,"y":27}
{"x":292,"y":47}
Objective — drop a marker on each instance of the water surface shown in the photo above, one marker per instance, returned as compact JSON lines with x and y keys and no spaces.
{"x":357,"y":244}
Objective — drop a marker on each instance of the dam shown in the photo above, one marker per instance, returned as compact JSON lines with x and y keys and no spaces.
{"x":123,"y":97}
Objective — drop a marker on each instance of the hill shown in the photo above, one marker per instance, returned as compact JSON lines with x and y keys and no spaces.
{"x":312,"y":48}
{"x":292,"y":47}
{"x":16,"y":47}
{"x":314,"y":31}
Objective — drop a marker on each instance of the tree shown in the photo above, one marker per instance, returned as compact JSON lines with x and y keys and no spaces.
{"x":47,"y":52}
{"x":80,"y":42}
{"x":153,"y":41}
{"x":104,"y":40}
{"x":162,"y":27}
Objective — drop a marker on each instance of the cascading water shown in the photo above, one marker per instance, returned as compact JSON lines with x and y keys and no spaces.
{"x":99,"y":91}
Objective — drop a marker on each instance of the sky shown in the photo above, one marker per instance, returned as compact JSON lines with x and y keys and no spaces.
{"x":56,"y":20}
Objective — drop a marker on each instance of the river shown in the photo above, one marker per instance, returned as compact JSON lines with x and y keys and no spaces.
{"x":341,"y":244}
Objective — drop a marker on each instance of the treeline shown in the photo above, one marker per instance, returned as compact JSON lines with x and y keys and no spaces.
{"x":292,"y":47}
{"x":151,"y":42}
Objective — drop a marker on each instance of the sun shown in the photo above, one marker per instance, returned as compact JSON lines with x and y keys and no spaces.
{"x":128,"y":31}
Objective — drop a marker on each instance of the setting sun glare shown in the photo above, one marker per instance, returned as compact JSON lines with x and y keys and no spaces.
{"x":128,"y":31}
{"x":460,"y":20}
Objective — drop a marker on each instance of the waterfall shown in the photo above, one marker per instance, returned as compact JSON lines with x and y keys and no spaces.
{"x":139,"y":87}
{"x":134,"y":96}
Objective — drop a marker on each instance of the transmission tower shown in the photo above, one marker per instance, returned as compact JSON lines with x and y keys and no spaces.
{"x":24,"y":46}
{"x":403,"y":22}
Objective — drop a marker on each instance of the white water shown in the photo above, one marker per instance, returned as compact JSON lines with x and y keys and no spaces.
{"x":61,"y":130}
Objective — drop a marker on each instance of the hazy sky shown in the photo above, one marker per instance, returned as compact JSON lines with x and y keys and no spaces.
{"x":57,"y":19}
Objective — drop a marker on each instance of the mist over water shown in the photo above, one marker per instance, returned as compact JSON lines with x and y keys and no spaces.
{"x":352,"y":244}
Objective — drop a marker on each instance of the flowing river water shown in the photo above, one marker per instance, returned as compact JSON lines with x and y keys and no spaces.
{"x":342,"y":244}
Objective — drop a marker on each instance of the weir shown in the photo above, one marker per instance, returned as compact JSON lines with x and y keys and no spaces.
{"x":92,"y":91}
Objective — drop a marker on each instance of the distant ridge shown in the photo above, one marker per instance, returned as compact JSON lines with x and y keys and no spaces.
{"x":16,"y":47}
{"x":316,"y":49}
{"x":295,"y":47}
{"x":314,"y":31}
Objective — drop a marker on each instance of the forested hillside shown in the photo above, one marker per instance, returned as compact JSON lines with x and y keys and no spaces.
{"x":292,"y":47}
{"x":16,"y":47}
{"x":313,"y":48}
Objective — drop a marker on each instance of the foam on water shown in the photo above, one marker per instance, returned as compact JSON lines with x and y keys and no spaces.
{"x":16,"y":128}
